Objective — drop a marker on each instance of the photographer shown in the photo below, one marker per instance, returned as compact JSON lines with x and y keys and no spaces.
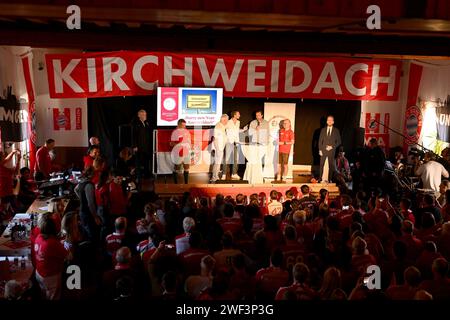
{"x":430,"y":172}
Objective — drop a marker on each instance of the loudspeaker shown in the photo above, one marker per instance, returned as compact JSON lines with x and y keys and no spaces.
{"x":125,"y":135}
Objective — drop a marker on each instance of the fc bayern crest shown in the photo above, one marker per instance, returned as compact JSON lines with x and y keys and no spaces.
{"x":413,"y":124}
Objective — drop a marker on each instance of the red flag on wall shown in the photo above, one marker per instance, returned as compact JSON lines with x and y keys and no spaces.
{"x":31,"y":111}
{"x":61,"y":120}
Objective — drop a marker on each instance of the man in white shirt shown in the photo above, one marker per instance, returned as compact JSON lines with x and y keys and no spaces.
{"x":232,"y":151}
{"x":220,"y":141}
{"x":431,"y":173}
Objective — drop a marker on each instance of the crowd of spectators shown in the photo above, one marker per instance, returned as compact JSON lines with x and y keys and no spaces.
{"x":134,"y":245}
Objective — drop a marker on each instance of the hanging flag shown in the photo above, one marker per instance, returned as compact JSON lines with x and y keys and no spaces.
{"x":61,"y":119}
{"x":31,"y":111}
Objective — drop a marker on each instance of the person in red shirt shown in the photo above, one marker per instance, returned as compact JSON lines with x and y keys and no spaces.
{"x":229,"y":223}
{"x":439,"y":286}
{"x":407,"y":290}
{"x":286,"y":140}
{"x":142,"y":225}
{"x":43,"y":165}
{"x":292,"y":250}
{"x":300,"y":289}
{"x":361,"y":257}
{"x":99,"y":166}
{"x":115,"y":239}
{"x":414,"y":244}
{"x":304,"y":232}
{"x":191,"y":258}
{"x":7,"y":172}
{"x":92,"y":154}
{"x":36,"y":231}
{"x":50,"y":255}
{"x":269,"y":280}
{"x":332,"y":281}
{"x":426,"y":258}
{"x":405,"y":210}
{"x":181,"y":150}
{"x":117,"y":199}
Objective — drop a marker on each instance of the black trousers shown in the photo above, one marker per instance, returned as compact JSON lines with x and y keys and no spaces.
{"x":143,"y":164}
{"x":331,"y":163}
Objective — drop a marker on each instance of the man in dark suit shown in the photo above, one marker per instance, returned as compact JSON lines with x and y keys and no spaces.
{"x":329,"y":140}
{"x":142,"y":143}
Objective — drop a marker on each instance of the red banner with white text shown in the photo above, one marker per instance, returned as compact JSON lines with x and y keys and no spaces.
{"x":127,"y":73}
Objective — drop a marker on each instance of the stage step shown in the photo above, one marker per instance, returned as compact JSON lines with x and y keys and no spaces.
{"x":231,"y":182}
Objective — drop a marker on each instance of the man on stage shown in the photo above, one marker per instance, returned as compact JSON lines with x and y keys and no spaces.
{"x":286,"y":140}
{"x":141,"y":143}
{"x":329,"y":140}
{"x":232,"y":148}
{"x":220,"y":141}
{"x":181,"y":152}
{"x":259,"y":129}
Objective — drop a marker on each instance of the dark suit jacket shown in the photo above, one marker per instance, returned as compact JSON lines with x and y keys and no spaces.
{"x":333,"y":140}
{"x":141,"y":136}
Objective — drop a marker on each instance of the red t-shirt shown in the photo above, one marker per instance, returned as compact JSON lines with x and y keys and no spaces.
{"x":43,"y":161}
{"x":271,"y":279}
{"x":117,"y":199}
{"x":232,"y":225}
{"x":302,"y":292}
{"x":147,"y":255}
{"x":292,"y":252}
{"x":96,"y":177}
{"x":6,"y":181}
{"x":102,"y":195}
{"x":114,"y":242}
{"x":285,"y":136}
{"x":88,"y":161}
{"x":191,"y":259}
{"x":50,"y":255}
{"x":35,"y":232}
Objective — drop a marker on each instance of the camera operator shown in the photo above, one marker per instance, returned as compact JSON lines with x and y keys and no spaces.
{"x":430,"y":172}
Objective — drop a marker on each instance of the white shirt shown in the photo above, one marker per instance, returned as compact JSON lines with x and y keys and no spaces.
{"x":431,"y":174}
{"x":220,"y":136}
{"x":232,"y":130}
{"x":274,"y":207}
{"x":329,"y":131}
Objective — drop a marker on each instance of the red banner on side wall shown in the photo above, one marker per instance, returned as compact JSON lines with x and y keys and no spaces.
{"x":31,"y":111}
{"x":413,"y":113}
{"x":127,"y":73}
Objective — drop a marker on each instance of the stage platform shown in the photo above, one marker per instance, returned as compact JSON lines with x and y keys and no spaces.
{"x":211,"y":190}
